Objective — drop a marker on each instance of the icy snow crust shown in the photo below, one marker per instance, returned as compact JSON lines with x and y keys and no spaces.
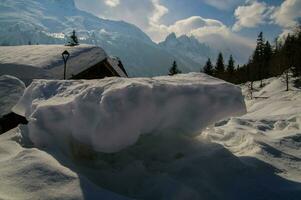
{"x":11,"y":90}
{"x":111,"y":114}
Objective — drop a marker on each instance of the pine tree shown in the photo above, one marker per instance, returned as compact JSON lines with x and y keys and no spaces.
{"x":231,"y":65}
{"x":258,"y":57}
{"x":174,"y":69}
{"x":230,"y":70}
{"x":289,"y":51}
{"x":267,"y":54}
{"x":208,"y":68}
{"x":74,"y":39}
{"x":220,"y":66}
{"x":267,"y":61}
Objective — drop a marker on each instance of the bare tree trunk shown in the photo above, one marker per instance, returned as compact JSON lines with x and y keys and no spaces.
{"x":261,"y":75}
{"x":287,"y":80}
{"x":251,"y":90}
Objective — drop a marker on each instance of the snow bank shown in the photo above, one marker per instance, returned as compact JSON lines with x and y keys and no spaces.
{"x":11,"y":90}
{"x":29,"y":173}
{"x":159,"y":166}
{"x":111,"y":114}
{"x":270,"y":131}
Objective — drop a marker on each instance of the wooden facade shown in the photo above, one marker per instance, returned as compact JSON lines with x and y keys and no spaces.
{"x":100,"y":70}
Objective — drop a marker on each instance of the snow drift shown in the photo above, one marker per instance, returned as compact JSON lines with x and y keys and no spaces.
{"x":158,"y":166}
{"x":270,"y":131}
{"x":109,"y":115}
{"x":11,"y":90}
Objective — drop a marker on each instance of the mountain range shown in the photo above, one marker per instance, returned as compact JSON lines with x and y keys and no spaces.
{"x":49,"y":21}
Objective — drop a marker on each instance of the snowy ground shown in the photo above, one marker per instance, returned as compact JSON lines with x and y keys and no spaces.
{"x":270,"y":131}
{"x":250,"y":157}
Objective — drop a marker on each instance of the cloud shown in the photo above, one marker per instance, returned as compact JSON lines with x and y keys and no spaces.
{"x":223,"y":4}
{"x":147,"y":15}
{"x":185,"y":26}
{"x":288,"y":14}
{"x":215,"y":34}
{"x":251,"y":15}
{"x":159,"y":11}
{"x":112,"y":3}
{"x":203,"y":28}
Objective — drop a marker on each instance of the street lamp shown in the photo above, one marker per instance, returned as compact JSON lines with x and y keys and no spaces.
{"x":65,"y":56}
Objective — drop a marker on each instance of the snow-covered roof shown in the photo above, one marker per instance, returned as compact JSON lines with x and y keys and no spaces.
{"x":45,"y":61}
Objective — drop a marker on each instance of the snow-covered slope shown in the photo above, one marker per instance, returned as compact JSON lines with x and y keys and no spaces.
{"x":48,"y":21}
{"x":270,"y":131}
{"x":11,"y":90}
{"x":158,"y":166}
{"x":111,"y":114}
{"x":45,"y":61}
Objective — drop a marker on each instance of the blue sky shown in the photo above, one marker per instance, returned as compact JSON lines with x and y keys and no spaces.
{"x":239,"y":21}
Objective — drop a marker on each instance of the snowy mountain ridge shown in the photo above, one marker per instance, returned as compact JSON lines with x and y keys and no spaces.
{"x":188,"y":48}
{"x":47,"y":21}
{"x":50,"y":21}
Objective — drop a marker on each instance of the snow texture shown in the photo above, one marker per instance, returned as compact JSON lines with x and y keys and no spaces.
{"x":252,"y":157}
{"x":11,"y":90}
{"x":111,"y":114}
{"x":28,"y":173}
{"x":45,"y":61}
{"x":270,"y":131}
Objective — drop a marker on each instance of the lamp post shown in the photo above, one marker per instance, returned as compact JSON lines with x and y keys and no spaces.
{"x":65,"y":56}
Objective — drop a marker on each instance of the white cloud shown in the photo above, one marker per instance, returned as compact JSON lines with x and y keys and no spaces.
{"x":159,"y":11}
{"x":185,"y":26}
{"x":255,"y":13}
{"x":215,"y":34}
{"x":251,"y":15}
{"x":287,"y":14}
{"x":112,"y":3}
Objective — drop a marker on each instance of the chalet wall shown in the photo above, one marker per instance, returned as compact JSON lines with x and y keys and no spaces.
{"x":98,"y":71}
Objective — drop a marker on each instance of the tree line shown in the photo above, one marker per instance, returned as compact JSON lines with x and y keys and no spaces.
{"x":267,"y":61}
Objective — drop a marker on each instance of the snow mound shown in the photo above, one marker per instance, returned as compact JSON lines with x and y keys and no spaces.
{"x":11,"y":90}
{"x":270,"y":131}
{"x":111,"y":114}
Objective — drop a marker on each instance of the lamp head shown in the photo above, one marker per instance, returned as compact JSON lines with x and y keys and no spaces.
{"x":65,"y":55}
